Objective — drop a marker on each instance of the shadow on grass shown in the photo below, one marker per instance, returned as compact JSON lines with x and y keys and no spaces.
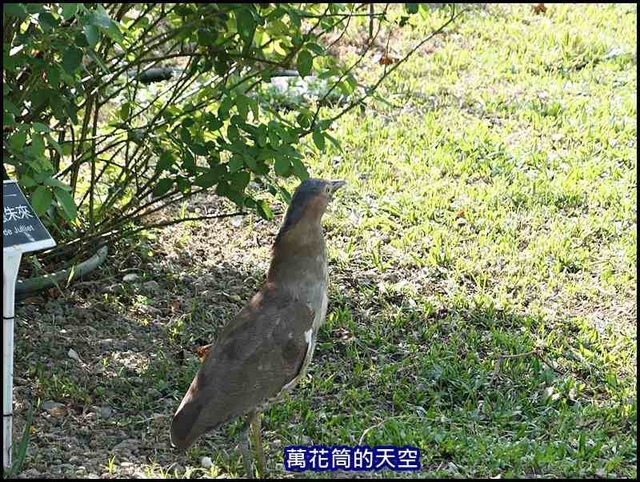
{"x":451,"y":379}
{"x":136,"y":344}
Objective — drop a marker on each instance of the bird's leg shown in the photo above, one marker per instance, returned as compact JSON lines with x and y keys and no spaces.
{"x":254,"y":423}
{"x":246,"y":453}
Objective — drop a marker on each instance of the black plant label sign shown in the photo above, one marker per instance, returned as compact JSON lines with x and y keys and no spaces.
{"x":20,"y":225}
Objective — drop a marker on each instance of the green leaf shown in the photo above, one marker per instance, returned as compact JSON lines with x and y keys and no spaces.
{"x":261,"y":135}
{"x":225,"y":106}
{"x":334,"y":141}
{"x":41,"y":200}
{"x":299,"y":169}
{"x":113,"y":31}
{"x":99,"y":19}
{"x":250,"y":162}
{"x":198,"y":149}
{"x":17,"y":140}
{"x":69,"y":10}
{"x":80,"y":40}
{"x":71,"y":59}
{"x":211,"y":177}
{"x":304,"y":63}
{"x":315,"y":48}
{"x":318,"y":139}
{"x":264,"y":210}
{"x":27,"y":181}
{"x":274,"y":138}
{"x":92,"y":33}
{"x":239,"y":180}
{"x":282,"y":166}
{"x":53,"y":143}
{"x":165,"y":162}
{"x":98,"y":61}
{"x":185,"y":135}
{"x":15,"y":10}
{"x":242,"y":104}
{"x":246,"y":24}
{"x":162,"y":187}
{"x":47,"y":21}
{"x":206,"y":36}
{"x":68,"y":205}
{"x":50,"y":181}
{"x":39,"y":127}
{"x":37,"y":145}
{"x":235,"y":163}
{"x":411,"y":7}
{"x":8,"y":119}
{"x":189,"y":163}
{"x":34,"y":7}
{"x":213,"y":123}
{"x":53,"y":75}
{"x":255,"y":108}
{"x":304,"y":117}
{"x":234,"y":135}
{"x":125,"y":111}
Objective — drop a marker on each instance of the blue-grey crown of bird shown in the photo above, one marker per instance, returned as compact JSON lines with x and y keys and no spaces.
{"x":267,"y":347}
{"x":306,"y":192}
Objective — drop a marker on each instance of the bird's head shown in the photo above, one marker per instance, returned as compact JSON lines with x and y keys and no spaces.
{"x":309,"y":201}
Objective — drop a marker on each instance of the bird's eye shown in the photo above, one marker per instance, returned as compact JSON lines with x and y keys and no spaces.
{"x":327,"y":189}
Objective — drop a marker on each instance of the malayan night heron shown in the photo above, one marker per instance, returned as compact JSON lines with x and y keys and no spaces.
{"x":267,"y":347}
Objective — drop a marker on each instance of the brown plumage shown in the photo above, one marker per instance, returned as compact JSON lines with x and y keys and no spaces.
{"x":268,"y":346}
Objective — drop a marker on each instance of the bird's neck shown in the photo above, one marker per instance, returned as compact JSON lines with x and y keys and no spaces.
{"x":299,"y":254}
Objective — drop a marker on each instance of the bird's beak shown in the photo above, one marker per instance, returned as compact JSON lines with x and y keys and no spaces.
{"x":335,"y":185}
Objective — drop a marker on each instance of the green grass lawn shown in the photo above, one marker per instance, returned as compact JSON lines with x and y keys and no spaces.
{"x":482,"y":267}
{"x":492,"y":215}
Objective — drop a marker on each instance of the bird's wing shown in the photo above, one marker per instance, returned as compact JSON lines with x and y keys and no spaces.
{"x":257,"y":354}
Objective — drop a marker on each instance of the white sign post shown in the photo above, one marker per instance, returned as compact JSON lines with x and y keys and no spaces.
{"x":22,"y":232}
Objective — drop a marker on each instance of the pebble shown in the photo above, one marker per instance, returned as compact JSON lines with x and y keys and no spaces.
{"x":106,"y":412}
{"x":49,"y":404}
{"x":73,"y":354}
{"x":153,"y":393}
{"x":130,"y":277}
{"x":58,"y":412}
{"x":151,"y":286}
{"x":206,"y":462}
{"x":159,"y":418}
{"x":127,"y":445}
{"x":30,"y":474}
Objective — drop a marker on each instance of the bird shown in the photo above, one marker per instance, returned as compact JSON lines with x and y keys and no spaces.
{"x":265,"y":350}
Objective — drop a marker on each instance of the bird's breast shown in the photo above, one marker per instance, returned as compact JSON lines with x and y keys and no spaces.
{"x":306,"y":279}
